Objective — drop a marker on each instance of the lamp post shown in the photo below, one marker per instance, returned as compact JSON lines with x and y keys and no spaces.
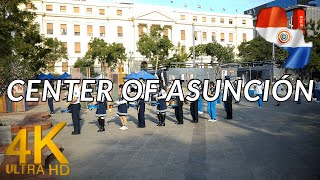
{"x":193,"y":48}
{"x":130,"y":61}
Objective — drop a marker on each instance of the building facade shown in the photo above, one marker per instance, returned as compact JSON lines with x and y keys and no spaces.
{"x":75,"y":23}
{"x":299,"y":12}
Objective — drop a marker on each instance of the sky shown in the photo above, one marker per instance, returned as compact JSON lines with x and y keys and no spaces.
{"x":220,"y":6}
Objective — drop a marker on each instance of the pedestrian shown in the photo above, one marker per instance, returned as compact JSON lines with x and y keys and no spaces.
{"x":258,"y":91}
{"x":251,"y":90}
{"x":162,"y":106}
{"x":102,"y":111}
{"x":235,"y":84}
{"x":194,"y":109}
{"x":75,"y":110}
{"x":141,"y":108}
{"x":122,"y":110}
{"x":228,"y":102}
{"x":178,"y":111}
{"x":50,"y":101}
{"x":212,"y":104}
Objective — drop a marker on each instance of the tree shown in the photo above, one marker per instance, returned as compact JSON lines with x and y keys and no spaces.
{"x":221,"y":53}
{"x":199,"y":50}
{"x":258,"y":49}
{"x":21,"y":48}
{"x":313,"y":35}
{"x":83,"y":63}
{"x":178,"y":56}
{"x":154,"y":44}
{"x":112,"y":54}
{"x":57,"y":50}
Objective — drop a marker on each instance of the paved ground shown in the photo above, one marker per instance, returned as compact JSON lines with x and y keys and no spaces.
{"x":269,"y":143}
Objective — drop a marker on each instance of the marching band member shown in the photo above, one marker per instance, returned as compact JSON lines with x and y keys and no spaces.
{"x":228,"y":103}
{"x":122,"y":110}
{"x":200,"y":100}
{"x":141,"y":108}
{"x":212,"y":104}
{"x":178,"y":111}
{"x":75,"y":110}
{"x":194,"y":109}
{"x":162,"y":106}
{"x":102,"y":112}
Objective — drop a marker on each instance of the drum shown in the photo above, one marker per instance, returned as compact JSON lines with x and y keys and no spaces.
{"x":154,"y":101}
{"x":133,"y":104}
{"x":91,"y":107}
{"x":173,"y":103}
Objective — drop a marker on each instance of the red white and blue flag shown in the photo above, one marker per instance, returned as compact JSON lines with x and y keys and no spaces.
{"x":272,"y":26}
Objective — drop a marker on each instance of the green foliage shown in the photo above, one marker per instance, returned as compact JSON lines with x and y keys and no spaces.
{"x":84,"y":63}
{"x":199,"y":49}
{"x":154,"y":44}
{"x":57,"y":51}
{"x":22,"y":54}
{"x":314,"y":36}
{"x":221,"y":53}
{"x":112,"y":54}
{"x":178,"y":56}
{"x":258,"y":49}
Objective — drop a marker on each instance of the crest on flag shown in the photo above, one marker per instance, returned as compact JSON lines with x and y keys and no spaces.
{"x":284,"y":36}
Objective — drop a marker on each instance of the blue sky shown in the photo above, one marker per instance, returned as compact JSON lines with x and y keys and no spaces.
{"x":230,"y":6}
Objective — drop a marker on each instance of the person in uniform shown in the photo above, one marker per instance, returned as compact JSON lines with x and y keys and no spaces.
{"x":102,"y":112}
{"x":200,"y":100}
{"x":258,"y":91}
{"x":162,"y":106}
{"x":212,"y":104}
{"x":228,"y":103}
{"x":50,"y":100}
{"x":75,"y":110}
{"x":141,"y":108}
{"x":178,"y":111}
{"x":122,"y":110}
{"x":194,"y":109}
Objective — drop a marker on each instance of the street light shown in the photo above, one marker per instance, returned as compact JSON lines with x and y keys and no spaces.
{"x":129,"y":61}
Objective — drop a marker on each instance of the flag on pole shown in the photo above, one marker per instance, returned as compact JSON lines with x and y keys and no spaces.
{"x":272,"y":26}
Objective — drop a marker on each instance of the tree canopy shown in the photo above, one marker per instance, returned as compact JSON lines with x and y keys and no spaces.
{"x":258,"y":49}
{"x":22,"y":48}
{"x":313,"y":35}
{"x":154,"y":44}
{"x":112,"y":54}
{"x":223,"y":54}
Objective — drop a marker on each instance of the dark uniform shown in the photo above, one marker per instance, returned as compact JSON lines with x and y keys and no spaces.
{"x":161,"y":107}
{"x":194,"y":109}
{"x":141,"y":109}
{"x":101,"y":113}
{"x":178,"y":111}
{"x":123,"y":107}
{"x":228,"y":103}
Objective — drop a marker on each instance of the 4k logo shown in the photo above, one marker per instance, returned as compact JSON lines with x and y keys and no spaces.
{"x":39,"y":144}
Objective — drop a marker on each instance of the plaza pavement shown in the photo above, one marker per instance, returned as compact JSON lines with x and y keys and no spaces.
{"x":269,"y":143}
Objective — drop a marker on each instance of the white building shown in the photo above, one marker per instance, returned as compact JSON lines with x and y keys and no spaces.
{"x":76,"y":22}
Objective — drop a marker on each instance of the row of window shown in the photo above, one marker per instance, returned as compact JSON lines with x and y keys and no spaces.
{"x":213,"y":20}
{"x":102,"y":31}
{"x":213,"y":36}
{"x":76,"y":29}
{"x":76,"y":9}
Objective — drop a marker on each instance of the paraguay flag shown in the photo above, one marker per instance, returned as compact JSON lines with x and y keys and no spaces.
{"x":272,"y":26}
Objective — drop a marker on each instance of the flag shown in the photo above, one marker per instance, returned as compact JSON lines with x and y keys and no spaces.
{"x":272,"y":26}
